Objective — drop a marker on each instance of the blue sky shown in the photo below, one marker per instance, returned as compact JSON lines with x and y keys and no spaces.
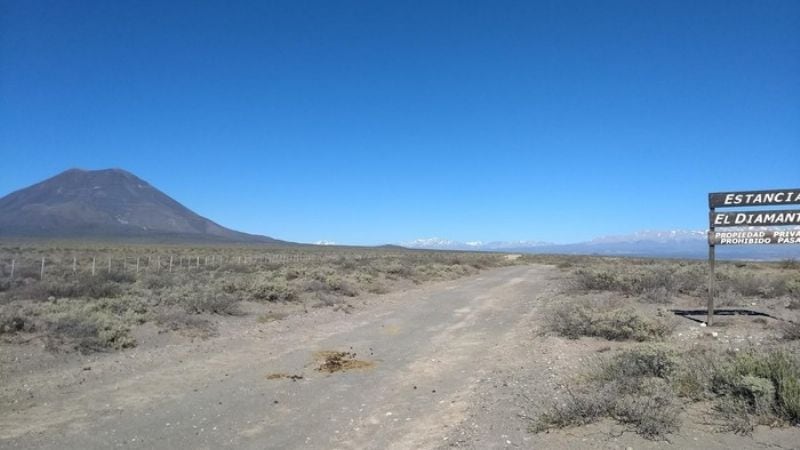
{"x":373,"y":122}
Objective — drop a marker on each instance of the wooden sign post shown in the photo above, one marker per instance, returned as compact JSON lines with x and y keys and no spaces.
{"x":746,"y":220}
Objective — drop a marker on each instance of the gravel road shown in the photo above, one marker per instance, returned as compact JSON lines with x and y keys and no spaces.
{"x":421,"y":357}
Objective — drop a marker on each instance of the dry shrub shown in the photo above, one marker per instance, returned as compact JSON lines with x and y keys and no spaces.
{"x":186,"y":324}
{"x":212,"y":303}
{"x":272,"y":291}
{"x":617,"y":321}
{"x":765,"y":384}
{"x":791,"y":331}
{"x":631,"y":387}
{"x":88,"y":333}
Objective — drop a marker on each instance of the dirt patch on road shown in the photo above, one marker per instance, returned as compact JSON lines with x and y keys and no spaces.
{"x":284,"y":376}
{"x":335,"y":361}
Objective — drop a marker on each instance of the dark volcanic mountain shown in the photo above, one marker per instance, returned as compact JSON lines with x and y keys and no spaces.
{"x":108,"y":203}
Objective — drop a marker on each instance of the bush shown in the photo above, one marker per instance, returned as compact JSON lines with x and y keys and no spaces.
{"x":160,"y":281}
{"x":791,"y":331}
{"x":643,"y":362}
{"x":763,"y":385}
{"x":583,"y":405}
{"x":88,"y":333}
{"x":631,"y":387}
{"x":212,"y":303}
{"x":573,"y":318}
{"x":186,"y":324}
{"x":651,"y":408}
{"x":273,"y":292}
{"x":594,"y":280}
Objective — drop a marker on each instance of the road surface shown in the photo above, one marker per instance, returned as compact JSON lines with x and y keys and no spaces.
{"x":425,"y":354}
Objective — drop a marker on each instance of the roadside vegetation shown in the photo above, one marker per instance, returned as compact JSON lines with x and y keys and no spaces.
{"x":79,"y":311}
{"x":646,"y":388}
{"x":650,"y":374}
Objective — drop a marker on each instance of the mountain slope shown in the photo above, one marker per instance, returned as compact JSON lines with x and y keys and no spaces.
{"x":109,"y":203}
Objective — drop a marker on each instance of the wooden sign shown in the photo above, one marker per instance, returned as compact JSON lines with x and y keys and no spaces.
{"x":754,"y":198}
{"x":764,"y":237}
{"x":755,"y":218}
{"x":749,"y":218}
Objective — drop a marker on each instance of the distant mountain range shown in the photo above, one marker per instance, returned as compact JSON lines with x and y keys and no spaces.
{"x":107,"y":204}
{"x":114,"y":204}
{"x":446,"y":244}
{"x":691,"y":244}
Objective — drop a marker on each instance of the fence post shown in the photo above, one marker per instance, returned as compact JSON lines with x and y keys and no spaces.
{"x":41,"y":274}
{"x":12,"y":268}
{"x":711,"y":263}
{"x":170,"y":263}
{"x":137,"y":265}
{"x":93,"y":263}
{"x":158,"y":263}
{"x":74,"y":264}
{"x":198,"y":261}
{"x":109,"y":264}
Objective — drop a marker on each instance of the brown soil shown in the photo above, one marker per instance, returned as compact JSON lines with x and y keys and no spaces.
{"x":335,"y":361}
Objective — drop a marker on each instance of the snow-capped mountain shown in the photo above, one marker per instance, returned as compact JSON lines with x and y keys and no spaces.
{"x":447,"y":244}
{"x":648,"y":243}
{"x":323,"y":242}
{"x":670,"y":236}
{"x":435,"y":243}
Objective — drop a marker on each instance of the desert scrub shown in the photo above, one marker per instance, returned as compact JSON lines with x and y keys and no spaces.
{"x":87,"y":286}
{"x":613,"y":320}
{"x":658,"y":282}
{"x":757,"y":387}
{"x":212,"y":303}
{"x":190,"y":325}
{"x":272,"y":291}
{"x":632,"y":387}
{"x":791,"y":330}
{"x":271,"y":316}
{"x":198,"y":299}
{"x":645,"y":279}
{"x":89,"y":326}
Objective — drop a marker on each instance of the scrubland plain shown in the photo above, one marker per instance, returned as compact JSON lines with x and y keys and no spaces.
{"x":475,"y":350}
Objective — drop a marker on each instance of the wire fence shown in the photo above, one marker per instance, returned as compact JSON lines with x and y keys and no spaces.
{"x":16,"y":266}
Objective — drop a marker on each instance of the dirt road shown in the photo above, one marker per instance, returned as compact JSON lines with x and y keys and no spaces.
{"x":422,"y":356}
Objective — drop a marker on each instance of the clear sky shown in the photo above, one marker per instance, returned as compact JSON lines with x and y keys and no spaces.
{"x":373,"y":122}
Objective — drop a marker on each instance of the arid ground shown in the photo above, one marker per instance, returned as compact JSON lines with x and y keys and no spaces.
{"x":452,"y":350}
